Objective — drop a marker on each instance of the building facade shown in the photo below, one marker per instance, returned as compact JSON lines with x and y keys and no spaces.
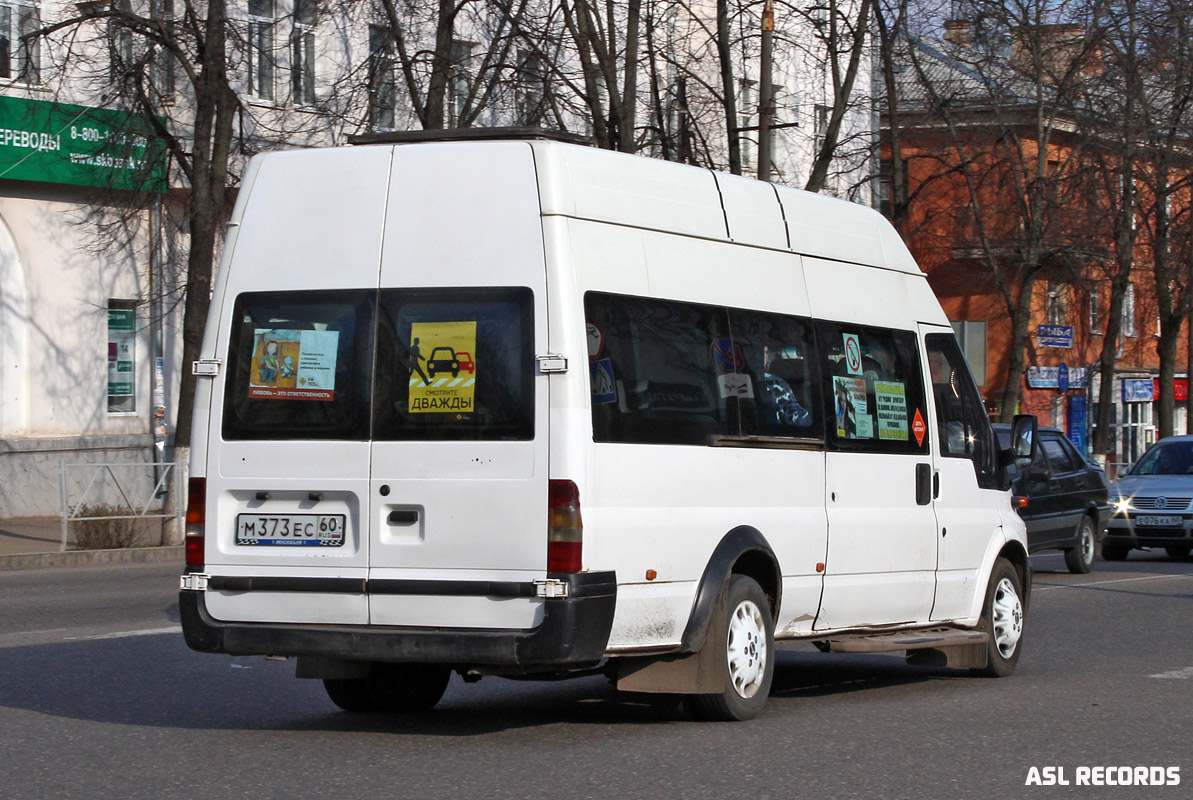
{"x":93,"y":214}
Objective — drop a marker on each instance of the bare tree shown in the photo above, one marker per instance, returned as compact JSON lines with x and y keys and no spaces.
{"x":1003,"y":97}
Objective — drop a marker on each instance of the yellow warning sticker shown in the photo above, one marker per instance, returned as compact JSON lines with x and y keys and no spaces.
{"x":443,"y":370}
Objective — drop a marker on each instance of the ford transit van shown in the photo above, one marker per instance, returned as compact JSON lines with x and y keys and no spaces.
{"x":526,"y":407}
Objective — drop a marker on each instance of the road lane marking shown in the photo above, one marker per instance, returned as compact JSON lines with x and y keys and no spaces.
{"x":1178,"y":674}
{"x":124,"y":634}
{"x":1042,"y":586}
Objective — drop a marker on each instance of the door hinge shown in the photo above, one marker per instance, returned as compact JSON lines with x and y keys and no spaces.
{"x":551,"y":588}
{"x":206,"y":367}
{"x":551,"y":364}
{"x":195,"y":582}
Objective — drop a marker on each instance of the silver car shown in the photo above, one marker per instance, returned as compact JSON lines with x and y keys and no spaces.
{"x":1153,"y":503}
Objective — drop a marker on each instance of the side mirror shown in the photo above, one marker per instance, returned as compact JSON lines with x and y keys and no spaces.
{"x":1023,"y":436}
{"x":1023,"y":443}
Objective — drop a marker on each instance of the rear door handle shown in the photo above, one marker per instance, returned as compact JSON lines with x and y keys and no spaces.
{"x":403,"y":517}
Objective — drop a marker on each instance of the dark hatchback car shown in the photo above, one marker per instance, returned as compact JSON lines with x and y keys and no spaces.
{"x":1062,"y":496}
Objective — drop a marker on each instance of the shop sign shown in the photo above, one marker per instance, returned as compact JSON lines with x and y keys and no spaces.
{"x":1055,"y":335}
{"x":1077,"y":421}
{"x":80,"y":146}
{"x":1049,"y":377}
{"x":1138,"y":390}
{"x":122,"y":334}
{"x":1180,"y":389}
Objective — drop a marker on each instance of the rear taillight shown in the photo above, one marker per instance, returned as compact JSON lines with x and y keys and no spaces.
{"x":565,"y":530}
{"x":196,"y":517}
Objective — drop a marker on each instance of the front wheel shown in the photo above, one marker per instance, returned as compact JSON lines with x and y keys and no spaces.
{"x":747,"y":655}
{"x":1002,"y":618}
{"x":1080,"y":559}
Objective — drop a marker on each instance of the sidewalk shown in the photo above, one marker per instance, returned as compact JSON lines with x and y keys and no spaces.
{"x":35,"y":542}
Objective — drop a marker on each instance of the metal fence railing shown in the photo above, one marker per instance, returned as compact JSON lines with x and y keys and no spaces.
{"x":139,"y":488}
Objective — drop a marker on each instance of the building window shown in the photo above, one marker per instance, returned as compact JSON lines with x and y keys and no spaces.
{"x":262,"y":22}
{"x":971,"y":335}
{"x":20,"y":58}
{"x":161,"y":72}
{"x":532,"y":88}
{"x":122,"y":335}
{"x":122,"y":66}
{"x":1058,"y":304}
{"x":382,"y":87}
{"x":747,"y":109}
{"x":1129,"y":311}
{"x":302,"y":52}
{"x":460,"y":79}
{"x":820,"y":127}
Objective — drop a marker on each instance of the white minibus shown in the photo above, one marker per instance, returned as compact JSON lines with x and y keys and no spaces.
{"x":523,"y":407}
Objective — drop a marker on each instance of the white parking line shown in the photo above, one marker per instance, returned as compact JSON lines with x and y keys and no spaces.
{"x":1178,"y":674}
{"x":1038,"y":587}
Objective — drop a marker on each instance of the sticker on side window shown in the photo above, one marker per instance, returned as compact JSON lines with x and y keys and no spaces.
{"x":890,"y":397}
{"x":849,"y":403}
{"x":293,"y":365}
{"x":442,"y":367}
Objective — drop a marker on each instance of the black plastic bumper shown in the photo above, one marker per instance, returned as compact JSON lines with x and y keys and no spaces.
{"x":575,"y":630}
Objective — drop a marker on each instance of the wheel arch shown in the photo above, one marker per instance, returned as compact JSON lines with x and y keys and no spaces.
{"x":741,"y":551}
{"x":1014,"y":552}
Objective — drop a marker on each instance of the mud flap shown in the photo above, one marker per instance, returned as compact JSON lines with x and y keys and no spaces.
{"x":965,"y":656}
{"x":702,"y":672}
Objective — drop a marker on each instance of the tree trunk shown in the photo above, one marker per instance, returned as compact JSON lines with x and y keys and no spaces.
{"x":1020,"y":318}
{"x":728,"y":87}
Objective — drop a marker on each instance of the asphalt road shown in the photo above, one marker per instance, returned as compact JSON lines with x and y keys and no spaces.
{"x":99,"y":698}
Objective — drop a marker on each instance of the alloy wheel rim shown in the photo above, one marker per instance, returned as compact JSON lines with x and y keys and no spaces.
{"x":1008,"y":617}
{"x":747,"y":649}
{"x":1087,"y":544}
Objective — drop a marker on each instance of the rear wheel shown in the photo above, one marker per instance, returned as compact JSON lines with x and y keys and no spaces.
{"x":1114,"y":552}
{"x":747,"y":654}
{"x":1177,"y":551}
{"x":390,"y":687}
{"x":1080,"y":559}
{"x":1002,"y":618}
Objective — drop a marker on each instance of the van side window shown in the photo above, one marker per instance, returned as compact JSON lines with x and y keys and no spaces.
{"x":780,"y":375}
{"x":662,"y":371}
{"x":455,"y":364}
{"x":874,"y":390}
{"x":298,"y":366}
{"x":965,"y":430}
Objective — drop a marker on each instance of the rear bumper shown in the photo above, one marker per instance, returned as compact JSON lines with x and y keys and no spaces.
{"x":575,"y":630}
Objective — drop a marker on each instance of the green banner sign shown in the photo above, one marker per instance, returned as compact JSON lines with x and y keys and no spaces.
{"x":60,"y":143}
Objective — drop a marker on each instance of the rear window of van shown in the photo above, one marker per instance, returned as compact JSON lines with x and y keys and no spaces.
{"x":399,"y":364}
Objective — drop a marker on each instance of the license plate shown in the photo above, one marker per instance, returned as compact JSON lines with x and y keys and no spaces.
{"x":1152,"y":519}
{"x":315,"y":530}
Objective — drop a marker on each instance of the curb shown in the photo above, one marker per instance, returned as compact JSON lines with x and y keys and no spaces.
{"x":92,"y":558}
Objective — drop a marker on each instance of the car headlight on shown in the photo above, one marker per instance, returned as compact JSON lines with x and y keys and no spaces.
{"x":1121,"y":505}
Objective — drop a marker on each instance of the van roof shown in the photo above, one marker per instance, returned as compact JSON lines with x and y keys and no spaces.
{"x":601,"y":185}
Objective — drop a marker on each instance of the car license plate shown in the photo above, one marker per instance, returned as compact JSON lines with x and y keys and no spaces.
{"x":1153,"y":519}
{"x":317,"y":530}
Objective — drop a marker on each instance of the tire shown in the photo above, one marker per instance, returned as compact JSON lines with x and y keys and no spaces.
{"x":746,"y":654}
{"x":350,"y":694}
{"x":1080,"y":559}
{"x":1002,"y":618}
{"x":392,"y":688}
{"x":1178,"y":551}
{"x":1115,"y":552}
